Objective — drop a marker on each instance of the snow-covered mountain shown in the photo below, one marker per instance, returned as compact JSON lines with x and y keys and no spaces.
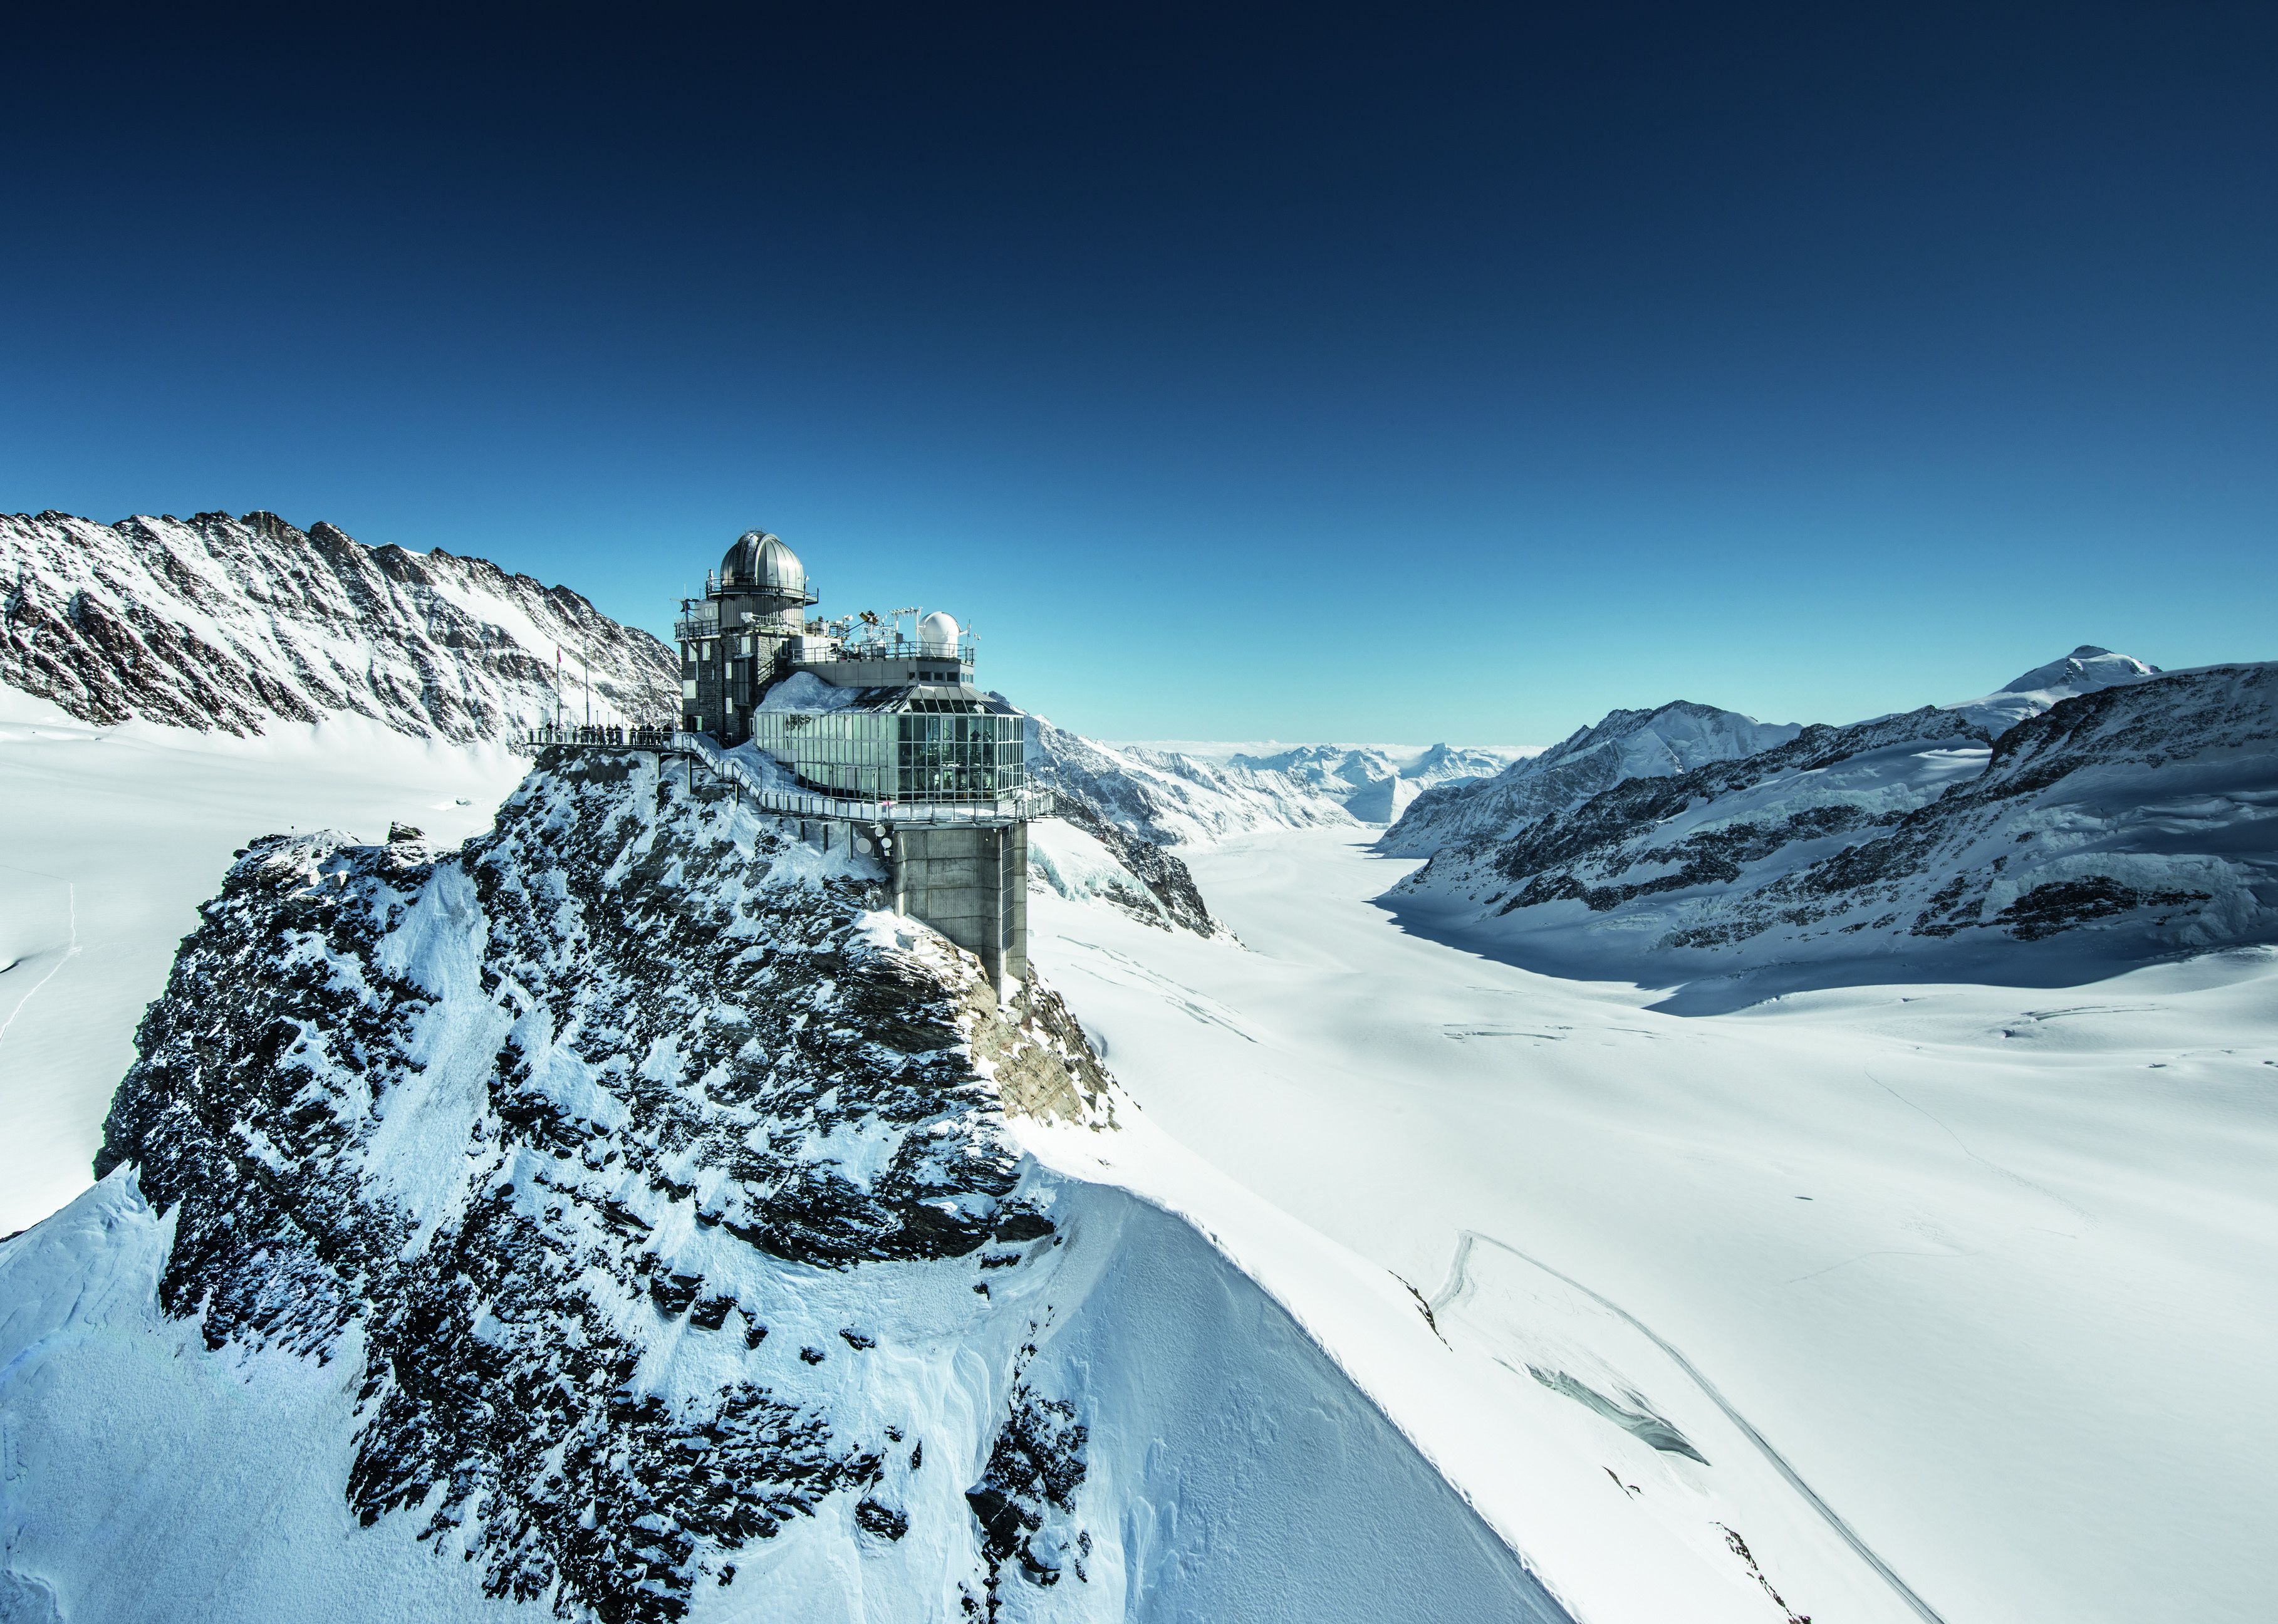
{"x":1080,"y":855}
{"x":616,"y":1219}
{"x":1628,"y":744}
{"x":218,"y":622}
{"x":1122,"y":807}
{"x":2131,"y":820}
{"x":2086,"y":670}
{"x":1171,"y":799}
{"x":1376,"y":782}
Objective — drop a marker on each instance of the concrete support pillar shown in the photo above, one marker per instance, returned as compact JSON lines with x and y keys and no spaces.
{"x":970,"y":883}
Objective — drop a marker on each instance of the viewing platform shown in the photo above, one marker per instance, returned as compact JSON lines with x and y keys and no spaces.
{"x":1018,"y":807}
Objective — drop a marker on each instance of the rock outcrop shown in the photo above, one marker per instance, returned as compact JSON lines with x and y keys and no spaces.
{"x":621,"y":1218}
{"x":528,"y":1115}
{"x":234,"y":623}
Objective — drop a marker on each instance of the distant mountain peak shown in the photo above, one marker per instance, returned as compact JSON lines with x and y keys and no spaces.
{"x":2086,"y":670}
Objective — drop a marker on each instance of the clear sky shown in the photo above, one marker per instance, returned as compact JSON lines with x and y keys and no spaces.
{"x":1399,"y":374}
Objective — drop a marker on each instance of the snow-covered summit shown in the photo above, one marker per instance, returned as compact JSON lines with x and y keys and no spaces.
{"x":1376,"y":782}
{"x":1627,"y":744}
{"x":2084,"y":670}
{"x":226,"y":623}
{"x":1171,"y":799}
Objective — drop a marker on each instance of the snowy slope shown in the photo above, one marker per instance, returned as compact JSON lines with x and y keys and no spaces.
{"x":2138,"y":819}
{"x":616,"y":1219}
{"x":111,"y":837}
{"x":1083,"y":857}
{"x":233,"y":624}
{"x":1988,"y":1272}
{"x":1627,"y":744}
{"x":1122,"y":807}
{"x":1169,"y":799}
{"x":1376,"y":782}
{"x":2086,"y":670}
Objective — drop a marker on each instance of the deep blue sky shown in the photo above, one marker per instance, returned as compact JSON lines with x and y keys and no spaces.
{"x":1241,"y":373}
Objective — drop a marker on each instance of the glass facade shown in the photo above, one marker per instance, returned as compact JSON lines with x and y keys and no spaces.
{"x":922,"y":750}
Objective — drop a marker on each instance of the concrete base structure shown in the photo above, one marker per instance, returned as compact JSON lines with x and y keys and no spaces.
{"x":971,"y":884}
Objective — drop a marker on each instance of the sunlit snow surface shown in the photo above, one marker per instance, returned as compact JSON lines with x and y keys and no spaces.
{"x":1984,"y":1275}
{"x":111,"y":837}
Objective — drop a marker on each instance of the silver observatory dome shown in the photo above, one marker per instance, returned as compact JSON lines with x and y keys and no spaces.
{"x":761,"y":562}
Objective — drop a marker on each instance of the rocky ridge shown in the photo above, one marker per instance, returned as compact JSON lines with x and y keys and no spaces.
{"x":1125,"y":807}
{"x":235,"y":624}
{"x":1374,"y":784}
{"x":583,"y":1099}
{"x":2132,"y":819}
{"x":1627,"y":744}
{"x":621,"y":1218}
{"x":1167,"y":799}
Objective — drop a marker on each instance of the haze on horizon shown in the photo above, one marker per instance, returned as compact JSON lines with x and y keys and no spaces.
{"x":1292,"y":375}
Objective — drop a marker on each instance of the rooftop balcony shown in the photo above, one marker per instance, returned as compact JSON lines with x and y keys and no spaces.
{"x":892,"y":648}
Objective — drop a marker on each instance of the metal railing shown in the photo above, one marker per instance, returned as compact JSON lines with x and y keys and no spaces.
{"x":900,"y":649}
{"x":597,"y":736}
{"x":1023,"y":804}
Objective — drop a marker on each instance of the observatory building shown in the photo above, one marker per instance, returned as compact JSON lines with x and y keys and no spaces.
{"x":892,"y":746}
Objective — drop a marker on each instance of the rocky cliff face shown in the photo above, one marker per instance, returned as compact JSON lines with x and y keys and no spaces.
{"x":620,"y":1219}
{"x":218,"y":622}
{"x":2130,"y":820}
{"x":1082,"y":855}
{"x":539,"y":1115}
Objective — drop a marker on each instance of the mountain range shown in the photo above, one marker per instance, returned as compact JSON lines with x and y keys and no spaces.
{"x":230,"y":624}
{"x":2092,"y":812}
{"x":606,"y":1211}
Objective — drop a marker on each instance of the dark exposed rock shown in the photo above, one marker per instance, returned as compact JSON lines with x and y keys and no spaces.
{"x":233,"y":624}
{"x":454,"y":1106}
{"x":1036,"y":1464}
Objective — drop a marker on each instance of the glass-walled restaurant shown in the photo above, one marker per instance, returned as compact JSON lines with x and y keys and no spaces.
{"x":917,"y":748}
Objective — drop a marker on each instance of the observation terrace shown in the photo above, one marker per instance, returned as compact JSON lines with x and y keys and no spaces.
{"x":1019,"y":806}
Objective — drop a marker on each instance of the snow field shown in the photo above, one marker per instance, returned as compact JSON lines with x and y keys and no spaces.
{"x":1988,"y":1270}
